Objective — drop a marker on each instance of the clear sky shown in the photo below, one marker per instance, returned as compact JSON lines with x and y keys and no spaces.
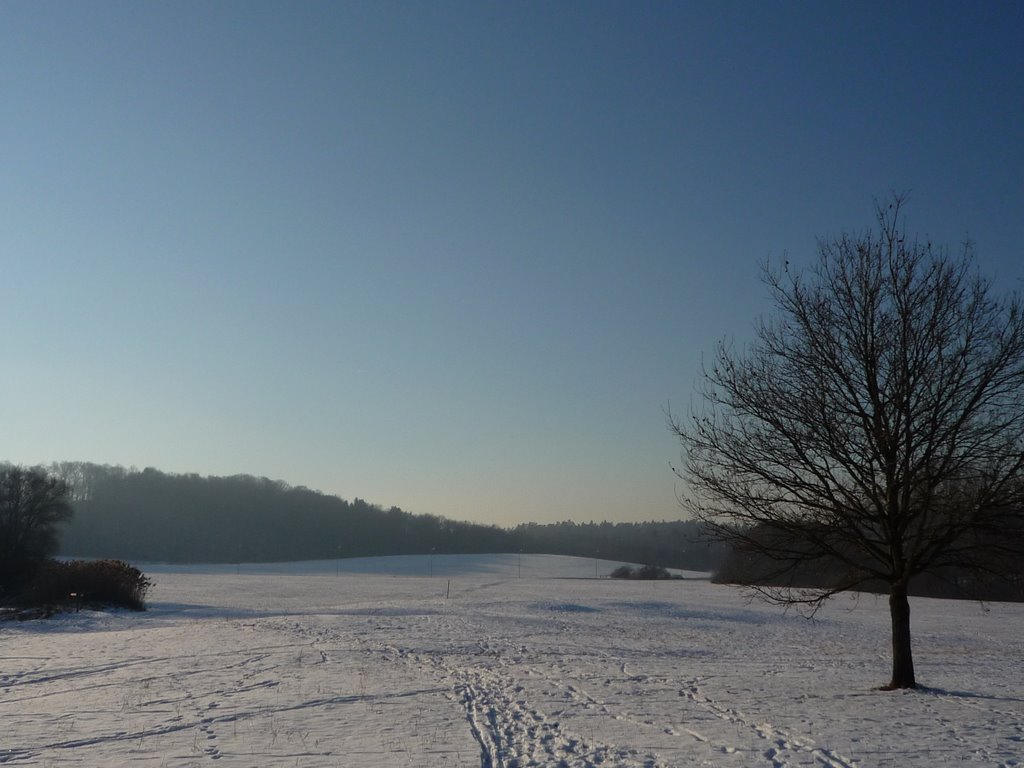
{"x":455,"y":257}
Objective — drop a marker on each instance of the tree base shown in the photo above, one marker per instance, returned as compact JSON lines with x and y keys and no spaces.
{"x":899,"y":687}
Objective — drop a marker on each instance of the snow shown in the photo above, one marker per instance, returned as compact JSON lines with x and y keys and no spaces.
{"x":378,"y":663}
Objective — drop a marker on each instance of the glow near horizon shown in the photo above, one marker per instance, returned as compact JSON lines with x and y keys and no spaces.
{"x":454,"y":257}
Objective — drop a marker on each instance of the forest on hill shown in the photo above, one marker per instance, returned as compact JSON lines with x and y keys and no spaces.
{"x":149,"y":515}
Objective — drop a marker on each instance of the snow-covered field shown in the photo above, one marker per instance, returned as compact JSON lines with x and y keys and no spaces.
{"x":450,"y":661}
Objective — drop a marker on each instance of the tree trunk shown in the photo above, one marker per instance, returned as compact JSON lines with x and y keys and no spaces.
{"x":902,"y":655}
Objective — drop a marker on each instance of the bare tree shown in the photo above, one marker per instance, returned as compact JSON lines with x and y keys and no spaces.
{"x":31,"y":505}
{"x":876,"y":424}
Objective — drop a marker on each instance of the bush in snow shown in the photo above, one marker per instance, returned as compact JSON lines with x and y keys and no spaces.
{"x":78,"y":582}
{"x":643,"y":573}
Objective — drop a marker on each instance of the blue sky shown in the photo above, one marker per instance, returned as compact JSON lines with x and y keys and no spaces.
{"x":455,"y":257}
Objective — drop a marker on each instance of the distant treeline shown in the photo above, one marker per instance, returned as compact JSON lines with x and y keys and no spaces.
{"x":678,"y":544}
{"x":150,"y":515}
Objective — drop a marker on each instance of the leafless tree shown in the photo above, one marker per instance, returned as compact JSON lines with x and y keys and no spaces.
{"x":32,"y":503}
{"x":875,"y":423}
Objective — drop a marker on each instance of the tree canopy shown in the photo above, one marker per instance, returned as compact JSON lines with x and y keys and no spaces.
{"x":32,"y":504}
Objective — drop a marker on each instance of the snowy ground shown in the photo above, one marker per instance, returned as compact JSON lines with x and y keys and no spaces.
{"x":348,"y":664}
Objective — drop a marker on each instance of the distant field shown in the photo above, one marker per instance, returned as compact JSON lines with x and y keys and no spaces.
{"x":462,"y":661}
{"x":500,"y":565}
